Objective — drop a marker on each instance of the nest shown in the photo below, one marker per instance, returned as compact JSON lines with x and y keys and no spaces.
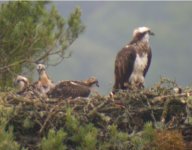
{"x":129,"y":110}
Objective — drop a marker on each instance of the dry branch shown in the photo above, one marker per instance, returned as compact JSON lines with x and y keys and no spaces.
{"x":128,"y":110}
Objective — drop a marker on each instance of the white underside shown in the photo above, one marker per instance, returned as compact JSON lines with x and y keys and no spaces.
{"x":138,"y":69}
{"x":73,"y":83}
{"x":45,"y":89}
{"x":21,"y":85}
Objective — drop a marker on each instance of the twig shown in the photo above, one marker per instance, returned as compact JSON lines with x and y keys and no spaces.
{"x":152,"y":114}
{"x":165,"y":97}
{"x":51,"y":113}
{"x":96,"y":108}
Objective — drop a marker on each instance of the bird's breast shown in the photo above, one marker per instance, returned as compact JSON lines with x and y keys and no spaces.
{"x":138,"y":68}
{"x":140,"y":62}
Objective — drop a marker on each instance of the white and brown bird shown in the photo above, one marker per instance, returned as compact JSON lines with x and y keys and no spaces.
{"x":44,"y":84}
{"x":21,"y":83}
{"x":73,"y":89}
{"x":133,"y":61}
{"x":25,"y":88}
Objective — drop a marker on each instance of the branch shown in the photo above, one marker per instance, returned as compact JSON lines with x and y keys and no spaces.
{"x":165,"y":97}
{"x":12,"y":65}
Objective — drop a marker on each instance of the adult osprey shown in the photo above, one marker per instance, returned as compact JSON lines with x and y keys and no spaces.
{"x":133,"y":61}
{"x":73,"y":89}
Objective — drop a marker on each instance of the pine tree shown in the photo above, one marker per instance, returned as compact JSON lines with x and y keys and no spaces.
{"x":31,"y":32}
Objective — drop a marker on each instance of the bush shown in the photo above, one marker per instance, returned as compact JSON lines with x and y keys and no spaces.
{"x":54,"y":140}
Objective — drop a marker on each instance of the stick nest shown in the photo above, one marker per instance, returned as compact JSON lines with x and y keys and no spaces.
{"x":129,"y":110}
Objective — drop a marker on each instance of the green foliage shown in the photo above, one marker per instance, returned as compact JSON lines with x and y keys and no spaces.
{"x":84,"y":136}
{"x":6,"y":140}
{"x":6,"y":136}
{"x":28,"y":123}
{"x":165,"y":86}
{"x":54,"y":140}
{"x":5,"y":114}
{"x":72,"y":124}
{"x":75,"y":23}
{"x":147,"y":136}
{"x":148,"y":132}
{"x":31,"y":33}
{"x":117,"y":140}
{"x":157,"y":139}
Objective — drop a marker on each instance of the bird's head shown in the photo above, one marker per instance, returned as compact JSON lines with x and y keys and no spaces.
{"x":40,"y":68}
{"x":142,"y":33}
{"x":92,"y":80}
{"x":21,"y":82}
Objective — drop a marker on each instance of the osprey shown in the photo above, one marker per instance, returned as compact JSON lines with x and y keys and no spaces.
{"x":38,"y":88}
{"x":21,"y":82}
{"x":26,"y":89}
{"x":44,"y":84}
{"x":133,"y":61}
{"x":73,"y":89}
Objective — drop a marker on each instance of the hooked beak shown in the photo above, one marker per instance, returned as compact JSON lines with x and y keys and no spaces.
{"x":97,"y":83}
{"x":38,"y":70}
{"x":151,"y":33}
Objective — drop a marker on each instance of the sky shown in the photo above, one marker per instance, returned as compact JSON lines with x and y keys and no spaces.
{"x":109,"y":27}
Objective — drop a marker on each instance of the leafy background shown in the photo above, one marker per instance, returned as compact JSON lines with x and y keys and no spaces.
{"x":109,"y":27}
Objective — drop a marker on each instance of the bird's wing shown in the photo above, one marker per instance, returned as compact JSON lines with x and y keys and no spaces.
{"x":124,"y":66}
{"x":67,"y":89}
{"x":148,"y":62}
{"x":78,"y":83}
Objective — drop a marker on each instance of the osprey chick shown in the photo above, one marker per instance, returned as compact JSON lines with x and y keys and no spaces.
{"x":133,"y":61}
{"x":25,"y":88}
{"x":73,"y":89}
{"x":44,"y":84}
{"x":21,"y":82}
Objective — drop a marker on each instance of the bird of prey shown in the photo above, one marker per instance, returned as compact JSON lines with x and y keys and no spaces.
{"x":133,"y":61}
{"x":44,"y":84}
{"x":73,"y":89}
{"x":21,"y":82}
{"x":25,"y":88}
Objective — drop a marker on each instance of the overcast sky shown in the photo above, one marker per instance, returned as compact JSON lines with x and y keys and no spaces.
{"x":109,"y":26}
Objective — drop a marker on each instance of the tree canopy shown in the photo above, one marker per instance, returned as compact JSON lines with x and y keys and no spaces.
{"x":31,"y":32}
